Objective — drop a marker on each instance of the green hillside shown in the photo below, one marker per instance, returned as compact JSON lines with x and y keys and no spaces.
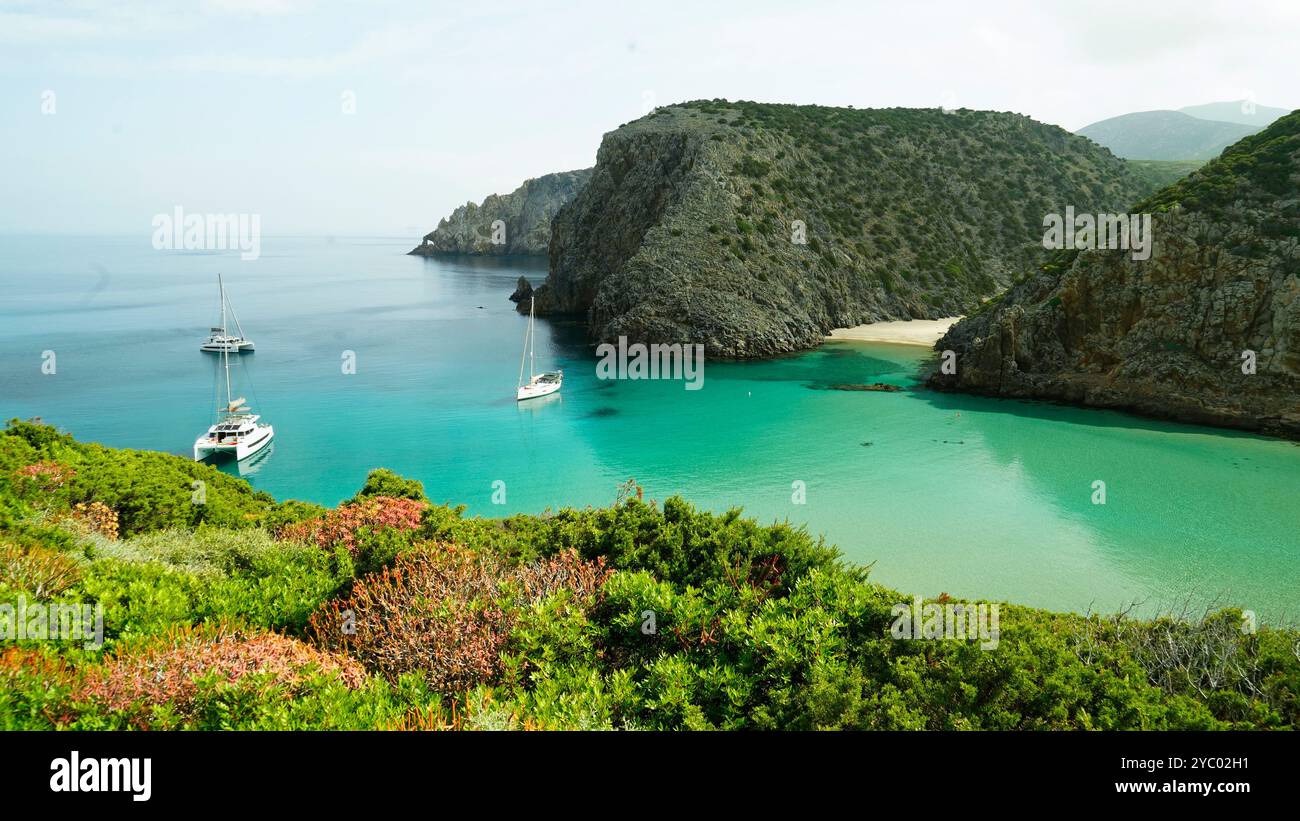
{"x":1166,"y":336}
{"x":755,"y":229}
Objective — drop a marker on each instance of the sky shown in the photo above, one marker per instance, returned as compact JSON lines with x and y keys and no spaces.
{"x":378,"y":117}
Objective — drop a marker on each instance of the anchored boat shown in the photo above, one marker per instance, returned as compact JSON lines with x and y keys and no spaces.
{"x":220,"y":340}
{"x":541,"y":384}
{"x":238,"y":431}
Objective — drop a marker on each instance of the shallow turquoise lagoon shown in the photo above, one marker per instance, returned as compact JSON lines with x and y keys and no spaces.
{"x":972,"y":496}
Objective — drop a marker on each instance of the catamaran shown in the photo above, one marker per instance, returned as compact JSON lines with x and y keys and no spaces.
{"x":237,"y":431}
{"x":541,"y":384}
{"x":220,"y":340}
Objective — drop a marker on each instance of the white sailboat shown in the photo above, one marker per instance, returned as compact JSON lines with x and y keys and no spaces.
{"x":220,"y":340}
{"x":237,"y":431}
{"x":542,"y":384}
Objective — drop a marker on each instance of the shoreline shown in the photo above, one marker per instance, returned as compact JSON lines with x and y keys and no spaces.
{"x":902,"y":332}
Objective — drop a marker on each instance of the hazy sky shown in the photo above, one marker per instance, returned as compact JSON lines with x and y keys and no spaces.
{"x":240,"y":106}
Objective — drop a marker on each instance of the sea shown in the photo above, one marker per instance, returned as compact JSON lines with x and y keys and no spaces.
{"x":367,"y":357}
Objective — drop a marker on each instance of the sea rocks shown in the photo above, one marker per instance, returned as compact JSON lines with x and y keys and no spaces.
{"x":523,"y":291}
{"x":874,"y":386}
{"x":514,"y":223}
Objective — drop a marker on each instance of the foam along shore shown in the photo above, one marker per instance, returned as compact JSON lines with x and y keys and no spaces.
{"x":907,"y":332}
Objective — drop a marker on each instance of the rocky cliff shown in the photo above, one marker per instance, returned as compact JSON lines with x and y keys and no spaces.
{"x":525,"y":215}
{"x":1173,"y":335}
{"x":756,"y":229}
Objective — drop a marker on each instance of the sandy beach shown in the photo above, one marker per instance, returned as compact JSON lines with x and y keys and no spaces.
{"x":912,"y":332}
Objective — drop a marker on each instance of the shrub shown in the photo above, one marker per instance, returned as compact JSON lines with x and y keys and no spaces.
{"x":41,"y":478}
{"x":152,"y":582}
{"x":343,"y":526}
{"x":445,"y":611}
{"x":95,"y":517}
{"x":384,"y":482}
{"x":169,"y":670}
{"x":36,"y":570}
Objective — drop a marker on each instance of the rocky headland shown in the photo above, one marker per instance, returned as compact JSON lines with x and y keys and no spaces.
{"x":525,"y":216}
{"x":1206,"y":330}
{"x":756,"y":229}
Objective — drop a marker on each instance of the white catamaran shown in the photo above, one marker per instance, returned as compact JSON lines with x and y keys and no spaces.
{"x":237,"y":430}
{"x":220,"y":340}
{"x":541,"y":384}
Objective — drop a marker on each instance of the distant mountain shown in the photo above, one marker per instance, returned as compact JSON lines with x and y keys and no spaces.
{"x":755,"y":229}
{"x":1165,"y":135}
{"x":525,"y":216}
{"x":1237,"y":111}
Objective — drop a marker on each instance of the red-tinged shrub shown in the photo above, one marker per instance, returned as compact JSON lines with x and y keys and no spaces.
{"x":342,"y":525}
{"x":36,"y":663}
{"x":446,"y":611}
{"x":163,"y":671}
{"x":45,"y":477}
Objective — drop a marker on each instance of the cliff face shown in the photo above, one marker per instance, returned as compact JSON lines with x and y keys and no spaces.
{"x":756,"y":229}
{"x":1166,"y":336}
{"x":526,"y":212}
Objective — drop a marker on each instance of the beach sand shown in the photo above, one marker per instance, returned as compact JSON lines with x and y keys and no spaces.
{"x":913,"y":332}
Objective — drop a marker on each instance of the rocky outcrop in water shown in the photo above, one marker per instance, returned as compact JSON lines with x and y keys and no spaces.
{"x":522,"y":219}
{"x":756,"y":229}
{"x":523,"y":291}
{"x":1174,"y":335}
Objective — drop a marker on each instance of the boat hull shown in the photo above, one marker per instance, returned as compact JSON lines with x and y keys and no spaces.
{"x":204,"y":448}
{"x":224,"y":347}
{"x":536,"y":390}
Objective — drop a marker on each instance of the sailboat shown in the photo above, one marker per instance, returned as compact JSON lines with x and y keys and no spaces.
{"x":541,"y":384}
{"x":237,"y":431}
{"x":220,"y":340}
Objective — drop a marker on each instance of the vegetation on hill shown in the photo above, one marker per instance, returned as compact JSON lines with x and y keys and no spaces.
{"x":1157,"y":174}
{"x":1206,"y":330}
{"x":755,"y":228}
{"x":642,"y":615}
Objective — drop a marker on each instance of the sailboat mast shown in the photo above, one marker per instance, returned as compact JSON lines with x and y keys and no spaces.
{"x":225,"y":347}
{"x":523,"y":353}
{"x":532,"y":343}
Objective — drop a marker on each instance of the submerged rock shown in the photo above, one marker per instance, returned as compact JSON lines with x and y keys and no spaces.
{"x":874,"y":386}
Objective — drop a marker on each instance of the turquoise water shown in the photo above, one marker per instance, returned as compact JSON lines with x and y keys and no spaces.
{"x":971,"y":496}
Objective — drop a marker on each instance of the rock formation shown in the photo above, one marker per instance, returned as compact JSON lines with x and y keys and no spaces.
{"x":1175,"y":335}
{"x":756,"y":229}
{"x":524,"y":217}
